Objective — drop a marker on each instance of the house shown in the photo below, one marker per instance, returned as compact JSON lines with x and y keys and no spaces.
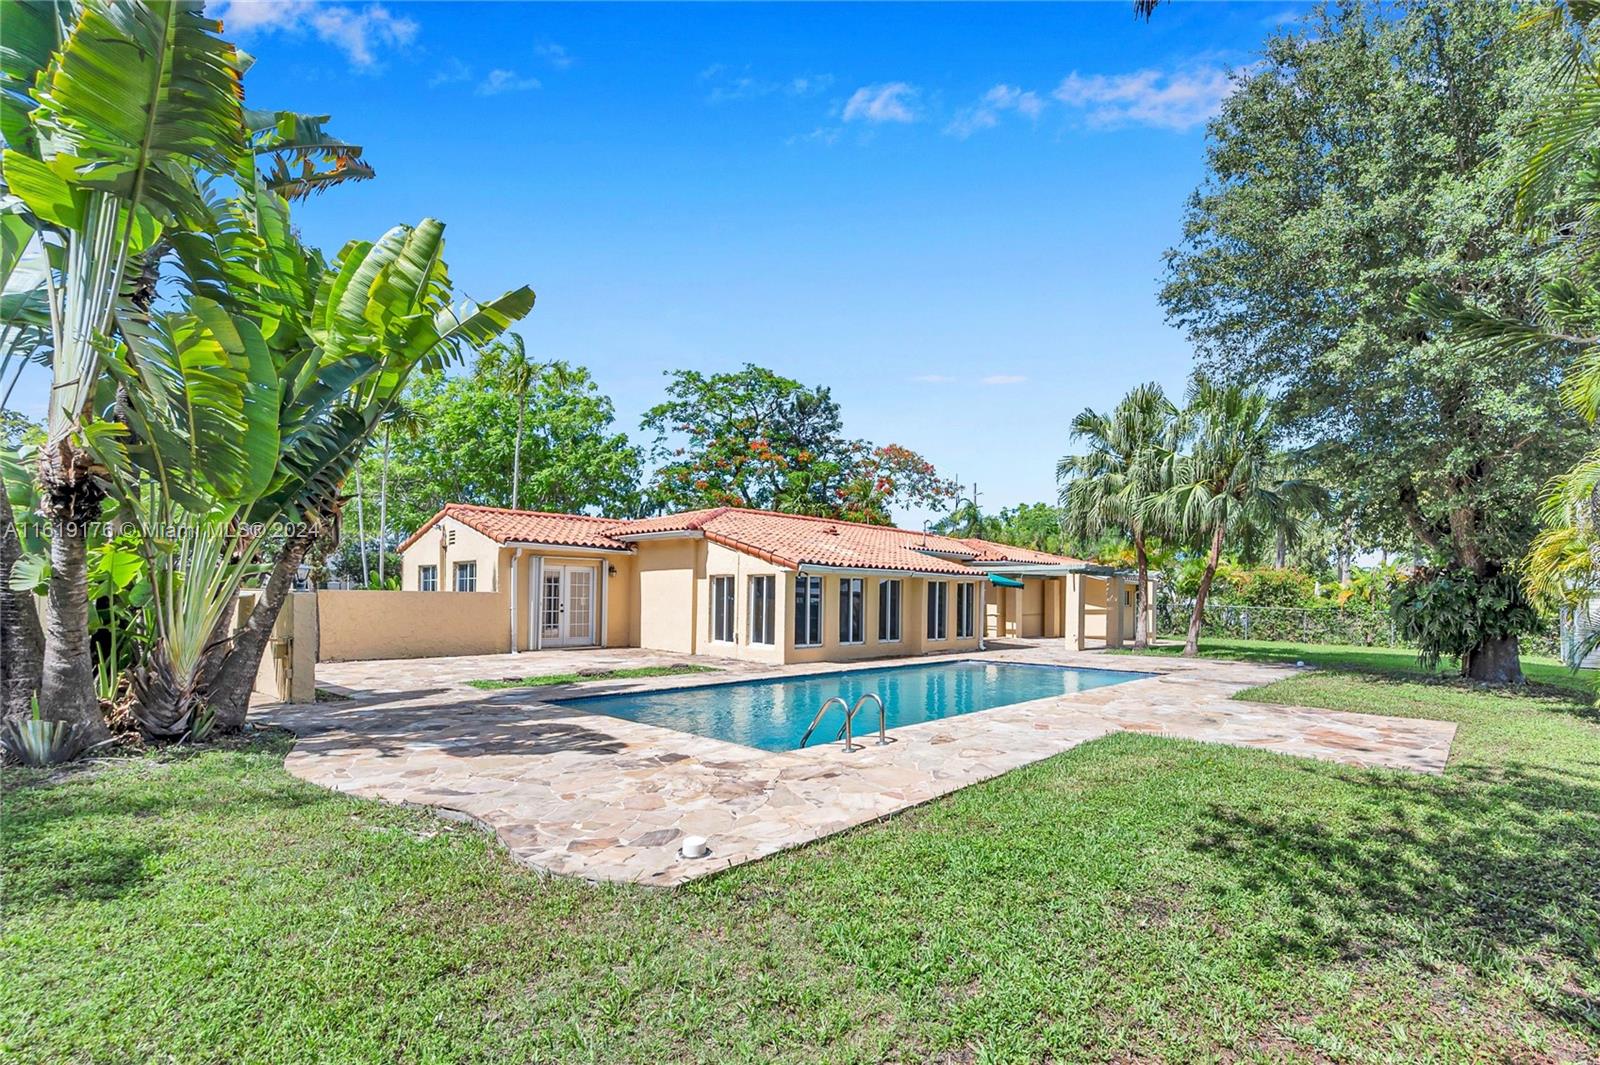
{"x":750,"y":584}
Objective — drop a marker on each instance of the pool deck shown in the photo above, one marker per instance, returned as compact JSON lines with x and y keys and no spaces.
{"x":608,"y":799}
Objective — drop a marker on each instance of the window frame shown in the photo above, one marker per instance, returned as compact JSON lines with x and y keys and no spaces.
{"x":803,"y":585}
{"x":891,"y":591}
{"x":723,"y":607}
{"x":470,"y":570}
{"x":763,"y":611}
{"x":852,"y":611}
{"x":966,"y":615}
{"x":426,"y":576}
{"x":938,"y":590}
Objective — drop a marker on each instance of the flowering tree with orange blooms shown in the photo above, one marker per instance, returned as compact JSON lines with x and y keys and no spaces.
{"x":753,"y":438}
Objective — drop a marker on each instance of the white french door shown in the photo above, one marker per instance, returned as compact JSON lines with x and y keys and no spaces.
{"x":567,"y":606}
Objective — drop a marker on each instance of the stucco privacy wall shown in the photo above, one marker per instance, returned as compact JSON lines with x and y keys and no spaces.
{"x":357,"y":625}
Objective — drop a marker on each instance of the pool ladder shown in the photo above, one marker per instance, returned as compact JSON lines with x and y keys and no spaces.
{"x":849,"y":716}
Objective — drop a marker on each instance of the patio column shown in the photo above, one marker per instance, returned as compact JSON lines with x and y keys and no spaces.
{"x":1114,"y":611}
{"x":1075,"y":612}
{"x":516,"y":556}
{"x":535,"y":606}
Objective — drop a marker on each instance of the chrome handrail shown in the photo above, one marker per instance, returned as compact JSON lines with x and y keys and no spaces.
{"x":883,"y":714}
{"x":818,"y":720}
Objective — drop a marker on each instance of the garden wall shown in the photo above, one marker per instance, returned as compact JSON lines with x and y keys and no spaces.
{"x":357,"y":625}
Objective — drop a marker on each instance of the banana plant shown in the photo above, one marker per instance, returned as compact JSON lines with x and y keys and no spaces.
{"x":381,"y":314}
{"x":112,"y":115}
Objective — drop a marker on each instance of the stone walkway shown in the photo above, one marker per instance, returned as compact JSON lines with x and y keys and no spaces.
{"x":608,"y":799}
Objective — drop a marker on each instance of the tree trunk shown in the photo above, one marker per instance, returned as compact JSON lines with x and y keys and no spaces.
{"x":1141,"y":627}
{"x":229,"y":694}
{"x":67,"y":682}
{"x":383,"y":508}
{"x":1191,"y":646}
{"x":1282,"y":552}
{"x":21,"y":637}
{"x":361,"y":529}
{"x":1494,"y":661}
{"x":516,"y":451}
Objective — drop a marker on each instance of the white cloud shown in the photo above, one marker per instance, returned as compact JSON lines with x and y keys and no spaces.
{"x":501,"y":80}
{"x":985,"y":114}
{"x":554,"y":54}
{"x":364,"y":34}
{"x":727,"y":84}
{"x":452,"y":71}
{"x":890,"y":102}
{"x":933,"y":379}
{"x":1176,"y":100}
{"x":1004,"y":379}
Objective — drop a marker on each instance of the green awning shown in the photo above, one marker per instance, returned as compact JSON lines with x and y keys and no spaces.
{"x":1004,"y":582}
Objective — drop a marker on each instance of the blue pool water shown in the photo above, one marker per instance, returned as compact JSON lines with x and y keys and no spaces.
{"x":773,"y":714}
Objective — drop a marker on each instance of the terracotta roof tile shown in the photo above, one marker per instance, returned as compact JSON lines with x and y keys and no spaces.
{"x":791,"y":540}
{"x":527,"y":526}
{"x":796,"y":540}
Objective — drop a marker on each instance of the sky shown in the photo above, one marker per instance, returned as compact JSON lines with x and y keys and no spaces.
{"x":953,"y":216}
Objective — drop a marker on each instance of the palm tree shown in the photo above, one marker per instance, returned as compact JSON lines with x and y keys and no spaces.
{"x":508,"y":364}
{"x":1109,"y":488}
{"x":404,"y":419}
{"x":1228,"y":480}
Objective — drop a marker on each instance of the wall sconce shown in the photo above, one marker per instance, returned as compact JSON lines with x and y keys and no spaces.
{"x":611,"y":570}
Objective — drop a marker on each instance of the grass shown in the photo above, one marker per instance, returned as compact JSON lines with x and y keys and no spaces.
{"x":578,"y":678}
{"x":1133,"y":899}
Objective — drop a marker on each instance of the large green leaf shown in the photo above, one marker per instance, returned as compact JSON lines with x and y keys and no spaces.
{"x":140,"y":97}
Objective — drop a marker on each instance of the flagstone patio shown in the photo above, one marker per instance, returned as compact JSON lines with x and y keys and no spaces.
{"x":608,"y":799}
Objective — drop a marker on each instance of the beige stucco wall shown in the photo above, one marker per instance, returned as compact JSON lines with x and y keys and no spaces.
{"x":470,"y":545}
{"x":665,"y":607}
{"x":357,"y":625}
{"x":1031,"y":596}
{"x":913,"y":621}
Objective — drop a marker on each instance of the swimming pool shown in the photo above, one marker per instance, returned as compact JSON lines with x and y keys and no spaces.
{"x":773,"y":714}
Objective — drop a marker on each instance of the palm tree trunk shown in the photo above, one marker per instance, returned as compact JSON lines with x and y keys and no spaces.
{"x":21,"y":637}
{"x":361,"y":529}
{"x":229,"y":693}
{"x":1141,"y":625}
{"x":1191,"y":646}
{"x":383,"y":507}
{"x":1282,"y":552}
{"x":516,"y":451}
{"x":67,"y":682}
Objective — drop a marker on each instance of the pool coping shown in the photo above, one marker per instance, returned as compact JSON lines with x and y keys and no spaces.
{"x":957,"y":659}
{"x":609,"y":799}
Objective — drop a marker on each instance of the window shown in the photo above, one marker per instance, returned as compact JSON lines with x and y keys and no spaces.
{"x":888,"y":611}
{"x":852,"y":610}
{"x":466,"y":576}
{"x":722,"y":609}
{"x":427,"y":578}
{"x":938,"y":609}
{"x":807,"y":611}
{"x":966,"y":593}
{"x":763,"y":600}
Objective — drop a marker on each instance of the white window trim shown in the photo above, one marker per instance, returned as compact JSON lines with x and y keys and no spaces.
{"x":944,"y":612}
{"x":899,"y":608}
{"x":733,"y":609}
{"x":432,"y":570}
{"x":803,"y":580}
{"x":844,"y":583}
{"x":971,"y":617}
{"x":456,"y":569}
{"x":756,"y":616}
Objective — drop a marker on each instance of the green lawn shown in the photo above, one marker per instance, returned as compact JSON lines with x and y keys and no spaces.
{"x":575,"y":678}
{"x":1133,"y":899}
